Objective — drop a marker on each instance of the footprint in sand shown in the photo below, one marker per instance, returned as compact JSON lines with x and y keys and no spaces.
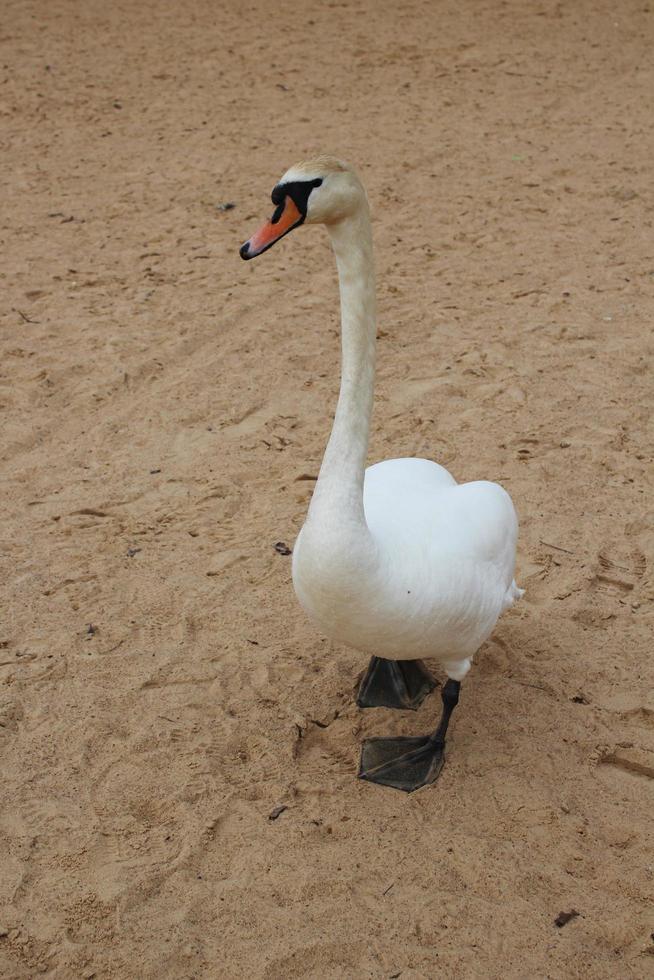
{"x":618,"y":571}
{"x":309,"y":961}
{"x":11,"y":714}
{"x":636,"y":763}
{"x":331,"y":746}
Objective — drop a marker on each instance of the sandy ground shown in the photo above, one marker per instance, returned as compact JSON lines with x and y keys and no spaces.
{"x":164,"y":408}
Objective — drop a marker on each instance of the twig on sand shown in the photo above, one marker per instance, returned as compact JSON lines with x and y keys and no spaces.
{"x":24,"y":316}
{"x":556,"y":547}
{"x":536,"y":687}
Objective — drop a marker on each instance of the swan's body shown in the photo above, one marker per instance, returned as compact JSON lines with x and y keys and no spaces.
{"x":397,"y":560}
{"x":436,"y":578}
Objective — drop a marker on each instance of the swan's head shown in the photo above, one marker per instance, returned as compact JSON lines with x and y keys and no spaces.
{"x":320,"y":191}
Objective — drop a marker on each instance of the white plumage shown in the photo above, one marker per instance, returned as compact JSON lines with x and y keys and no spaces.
{"x":397,"y":560}
{"x":439,"y":575}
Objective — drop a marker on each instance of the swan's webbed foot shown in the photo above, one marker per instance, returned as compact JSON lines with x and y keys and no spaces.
{"x":403,"y":763}
{"x":395,"y":684}
{"x":407,"y":763}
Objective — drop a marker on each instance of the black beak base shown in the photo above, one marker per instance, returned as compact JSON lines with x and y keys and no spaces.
{"x":299,"y":192}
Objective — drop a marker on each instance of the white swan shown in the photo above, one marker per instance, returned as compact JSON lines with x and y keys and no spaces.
{"x":397,"y":560}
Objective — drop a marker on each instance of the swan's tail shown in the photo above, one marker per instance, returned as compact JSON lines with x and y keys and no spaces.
{"x":513,"y":593}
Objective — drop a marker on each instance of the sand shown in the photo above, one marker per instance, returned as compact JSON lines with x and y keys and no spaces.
{"x":165,"y":408}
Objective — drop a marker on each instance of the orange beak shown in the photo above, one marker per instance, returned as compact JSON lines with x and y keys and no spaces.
{"x":286,"y":217}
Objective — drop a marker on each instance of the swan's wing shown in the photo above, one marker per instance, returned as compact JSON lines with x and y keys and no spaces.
{"x":414,"y":503}
{"x":398,"y":477}
{"x":482,"y":519}
{"x":447,"y":554}
{"x":399,"y":499}
{"x":487,"y":526}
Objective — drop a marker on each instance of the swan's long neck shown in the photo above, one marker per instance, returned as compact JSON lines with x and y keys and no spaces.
{"x":338,"y":497}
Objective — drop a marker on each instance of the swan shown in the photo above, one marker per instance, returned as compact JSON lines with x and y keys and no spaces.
{"x":396,"y":560}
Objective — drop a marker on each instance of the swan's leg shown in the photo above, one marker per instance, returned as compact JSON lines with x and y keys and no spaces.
{"x":408,"y":763}
{"x":394,"y":684}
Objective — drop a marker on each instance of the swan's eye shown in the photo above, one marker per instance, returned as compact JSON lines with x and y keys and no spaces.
{"x":298,"y":190}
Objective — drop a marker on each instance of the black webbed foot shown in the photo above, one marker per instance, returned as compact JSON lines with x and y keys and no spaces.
{"x":409,"y":762}
{"x":403,"y":763}
{"x":395,"y":684}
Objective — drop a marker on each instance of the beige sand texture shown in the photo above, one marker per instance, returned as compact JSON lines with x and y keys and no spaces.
{"x":165,"y":409}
